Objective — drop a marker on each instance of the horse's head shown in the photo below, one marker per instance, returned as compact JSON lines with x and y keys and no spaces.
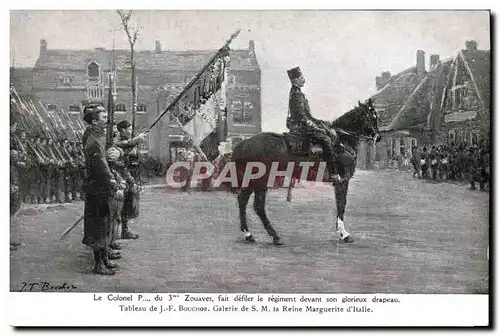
{"x":369,"y":120}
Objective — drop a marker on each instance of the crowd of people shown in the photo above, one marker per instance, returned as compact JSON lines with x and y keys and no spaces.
{"x":451,"y":161}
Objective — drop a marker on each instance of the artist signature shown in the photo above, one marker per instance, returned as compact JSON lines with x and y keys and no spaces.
{"x":42,"y":286}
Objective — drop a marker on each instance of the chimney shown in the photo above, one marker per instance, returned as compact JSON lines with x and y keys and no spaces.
{"x":420,"y":62}
{"x":378,"y":83}
{"x":43,"y":46}
{"x":434,"y":59}
{"x":251,"y":46}
{"x":386,"y":76}
{"x":157,"y":47}
{"x":471,"y":45}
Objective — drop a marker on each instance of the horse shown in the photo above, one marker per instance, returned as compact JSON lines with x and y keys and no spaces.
{"x":269,"y":148}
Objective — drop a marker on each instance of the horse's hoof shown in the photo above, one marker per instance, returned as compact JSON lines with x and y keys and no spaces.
{"x":250,"y":239}
{"x":277,"y":242}
{"x":347,"y":239}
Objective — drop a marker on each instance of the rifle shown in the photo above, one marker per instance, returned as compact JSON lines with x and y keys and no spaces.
{"x":111,"y":114}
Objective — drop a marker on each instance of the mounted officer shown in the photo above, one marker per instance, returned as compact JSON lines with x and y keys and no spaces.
{"x":300,"y":119}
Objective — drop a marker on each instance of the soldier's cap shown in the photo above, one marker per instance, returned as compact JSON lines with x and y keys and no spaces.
{"x":123,"y":124}
{"x":294,"y":73}
{"x":93,"y":108}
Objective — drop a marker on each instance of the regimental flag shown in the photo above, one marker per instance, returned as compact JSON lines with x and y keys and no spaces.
{"x":199,"y":109}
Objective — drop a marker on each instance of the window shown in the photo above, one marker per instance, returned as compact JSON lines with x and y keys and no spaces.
{"x":74,"y":109}
{"x":51,"y":107}
{"x":93,"y":70}
{"x":65,"y":80}
{"x":120,"y":107}
{"x":242,"y":113}
{"x":141,"y":108}
{"x":451,"y":135}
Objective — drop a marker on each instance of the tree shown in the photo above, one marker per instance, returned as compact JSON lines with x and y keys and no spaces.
{"x":132,"y":33}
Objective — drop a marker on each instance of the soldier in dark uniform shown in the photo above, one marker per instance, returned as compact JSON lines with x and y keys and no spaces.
{"x":57,"y":172}
{"x":116,"y":164}
{"x":131,"y":155}
{"x":35,"y":170}
{"x":424,"y":163}
{"x":100,"y":187}
{"x":46,"y":171}
{"x":415,"y":161}
{"x":470,"y":167}
{"x":16,"y":164}
{"x":484,"y":165}
{"x":79,"y":174}
{"x":19,"y":143}
{"x":68,"y":168}
{"x":74,"y":179}
{"x":434,"y":163}
{"x":300,"y":118}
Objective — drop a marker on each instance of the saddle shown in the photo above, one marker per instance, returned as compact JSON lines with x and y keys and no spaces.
{"x":299,"y":144}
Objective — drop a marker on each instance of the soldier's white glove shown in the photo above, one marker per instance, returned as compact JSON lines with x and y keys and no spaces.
{"x":114,"y":153}
{"x":119,"y":195}
{"x":141,"y":137}
{"x":309,"y":123}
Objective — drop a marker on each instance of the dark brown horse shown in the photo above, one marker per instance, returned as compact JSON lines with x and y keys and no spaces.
{"x":269,"y":148}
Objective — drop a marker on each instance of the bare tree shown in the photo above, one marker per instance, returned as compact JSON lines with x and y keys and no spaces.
{"x":132,"y":33}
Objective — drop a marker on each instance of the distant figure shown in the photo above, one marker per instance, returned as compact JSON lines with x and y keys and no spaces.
{"x":424,"y":163}
{"x":415,"y":161}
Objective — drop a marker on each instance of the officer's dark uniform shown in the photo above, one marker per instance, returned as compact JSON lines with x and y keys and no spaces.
{"x":300,"y":119}
{"x":130,"y":208}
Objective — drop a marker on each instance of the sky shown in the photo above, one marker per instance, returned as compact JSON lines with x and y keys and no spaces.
{"x":340,"y":52}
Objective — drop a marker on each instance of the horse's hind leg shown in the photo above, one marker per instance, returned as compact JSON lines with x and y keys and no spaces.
{"x":243,"y":198}
{"x":259,"y":206}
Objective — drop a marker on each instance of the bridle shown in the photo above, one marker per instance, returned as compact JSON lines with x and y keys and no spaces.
{"x":354,"y":134}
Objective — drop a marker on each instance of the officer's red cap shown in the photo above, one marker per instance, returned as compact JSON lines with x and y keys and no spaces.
{"x":294,"y":73}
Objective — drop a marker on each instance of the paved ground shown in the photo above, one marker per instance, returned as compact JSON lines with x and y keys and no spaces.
{"x":411,"y":237}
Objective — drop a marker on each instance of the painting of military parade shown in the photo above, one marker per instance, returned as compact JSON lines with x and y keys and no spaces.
{"x":250,"y":151}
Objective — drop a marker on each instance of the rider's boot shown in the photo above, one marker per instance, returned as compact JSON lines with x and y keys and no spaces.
{"x":333,"y":176}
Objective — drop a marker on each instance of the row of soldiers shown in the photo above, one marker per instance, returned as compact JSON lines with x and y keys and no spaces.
{"x":47,"y":172}
{"x":454,"y":161}
{"x":47,"y":163}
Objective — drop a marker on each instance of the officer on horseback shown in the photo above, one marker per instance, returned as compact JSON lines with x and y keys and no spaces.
{"x":300,"y":119}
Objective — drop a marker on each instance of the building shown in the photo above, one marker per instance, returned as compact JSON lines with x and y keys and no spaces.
{"x":70,"y":79}
{"x":419,"y":106}
{"x":465,"y":111}
{"x":22,"y":79}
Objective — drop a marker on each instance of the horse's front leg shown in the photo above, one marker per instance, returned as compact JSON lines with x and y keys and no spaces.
{"x":243,"y":198}
{"x":341,"y":200}
{"x":289,"y":192}
{"x":260,"y":208}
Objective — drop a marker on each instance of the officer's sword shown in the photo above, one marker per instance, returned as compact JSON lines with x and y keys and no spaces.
{"x":68,"y":230}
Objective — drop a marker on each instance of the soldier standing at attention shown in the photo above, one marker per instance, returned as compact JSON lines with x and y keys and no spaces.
{"x":131,"y":155}
{"x":100,"y":188}
{"x":19,"y":143}
{"x":16,"y":164}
